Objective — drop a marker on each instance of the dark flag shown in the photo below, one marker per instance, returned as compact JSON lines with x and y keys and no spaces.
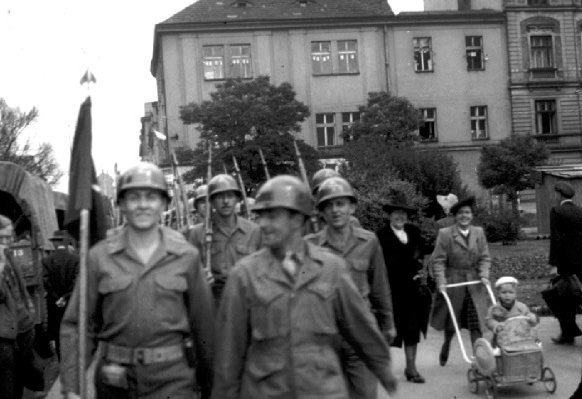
{"x":83,"y":185}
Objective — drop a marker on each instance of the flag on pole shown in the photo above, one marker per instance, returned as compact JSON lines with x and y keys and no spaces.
{"x":83,"y":182}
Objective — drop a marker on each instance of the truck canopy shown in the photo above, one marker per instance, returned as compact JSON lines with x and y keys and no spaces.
{"x":29,"y":202}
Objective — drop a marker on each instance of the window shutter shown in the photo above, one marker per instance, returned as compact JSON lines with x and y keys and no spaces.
{"x":525,"y":49}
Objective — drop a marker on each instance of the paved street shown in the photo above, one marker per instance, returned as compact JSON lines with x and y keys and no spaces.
{"x":450,"y":382}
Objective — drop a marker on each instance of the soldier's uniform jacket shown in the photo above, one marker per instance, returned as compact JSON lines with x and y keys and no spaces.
{"x":138,"y":305}
{"x":365,"y":261}
{"x":16,"y":310}
{"x":227,"y":248}
{"x":279,"y":334}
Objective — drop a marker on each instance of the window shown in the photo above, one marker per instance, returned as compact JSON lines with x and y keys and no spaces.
{"x":325,"y":126}
{"x":348,"y":119}
{"x":213,"y":62}
{"x":537,"y":2}
{"x":474,"y":51}
{"x":427,"y":132}
{"x":240,"y":61}
{"x":321,"y":58}
{"x":237,"y":65}
{"x":347,"y":54}
{"x":479,"y":123}
{"x":422,"y":54}
{"x":546,"y":117}
{"x":343,"y":52}
{"x":541,"y":50}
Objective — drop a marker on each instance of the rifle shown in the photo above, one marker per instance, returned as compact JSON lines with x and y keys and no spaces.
{"x":265,"y":168}
{"x":242,"y":186}
{"x":186,"y":217}
{"x":314,"y":217}
{"x":208,"y":224}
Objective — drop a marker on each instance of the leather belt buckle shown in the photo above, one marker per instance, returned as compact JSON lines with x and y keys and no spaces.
{"x":139,"y":356}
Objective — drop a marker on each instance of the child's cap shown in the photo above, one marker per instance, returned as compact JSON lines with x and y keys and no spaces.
{"x":505,"y":280}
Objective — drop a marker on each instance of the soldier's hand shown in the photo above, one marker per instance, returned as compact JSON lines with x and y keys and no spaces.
{"x":553,"y":271}
{"x":390,"y":335}
{"x":391,"y":384}
{"x":71,"y":395}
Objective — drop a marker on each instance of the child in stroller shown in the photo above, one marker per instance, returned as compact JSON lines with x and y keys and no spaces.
{"x":515,"y":336}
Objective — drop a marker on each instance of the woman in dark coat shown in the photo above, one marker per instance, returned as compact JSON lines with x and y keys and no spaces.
{"x":401,"y":244}
{"x":461,"y":254}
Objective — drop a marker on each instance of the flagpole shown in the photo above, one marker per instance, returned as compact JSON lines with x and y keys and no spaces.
{"x":83,"y":251}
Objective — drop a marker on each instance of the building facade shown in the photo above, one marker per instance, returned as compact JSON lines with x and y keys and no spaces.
{"x":450,"y":61}
{"x":545,"y":50}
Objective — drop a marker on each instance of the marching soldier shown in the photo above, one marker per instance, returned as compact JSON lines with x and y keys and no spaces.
{"x":284,"y":308}
{"x":233,"y":237}
{"x":362,"y":252}
{"x":60,"y":272}
{"x":200,"y":204}
{"x":149,"y":306}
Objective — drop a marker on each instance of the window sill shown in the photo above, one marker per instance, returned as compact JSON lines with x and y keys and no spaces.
{"x":223,"y":79}
{"x":427,"y":71}
{"x":428,"y":141}
{"x":336,"y":74}
{"x":479,"y":138}
{"x":475,"y":69}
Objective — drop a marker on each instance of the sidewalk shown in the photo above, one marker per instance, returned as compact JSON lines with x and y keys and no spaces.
{"x":450,"y":382}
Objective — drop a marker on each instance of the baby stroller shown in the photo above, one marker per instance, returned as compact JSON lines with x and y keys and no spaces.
{"x":516,"y":363}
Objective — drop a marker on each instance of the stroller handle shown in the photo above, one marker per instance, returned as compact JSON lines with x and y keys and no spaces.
{"x":452,"y":311}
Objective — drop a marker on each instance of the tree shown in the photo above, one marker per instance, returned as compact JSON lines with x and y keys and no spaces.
{"x":508,"y":167}
{"x":243,"y":116}
{"x":381,"y":146}
{"x":388,"y":118}
{"x":41,"y":161}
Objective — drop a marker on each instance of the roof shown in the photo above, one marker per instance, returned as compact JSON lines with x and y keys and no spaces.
{"x":205,"y":11}
{"x":229,"y":14}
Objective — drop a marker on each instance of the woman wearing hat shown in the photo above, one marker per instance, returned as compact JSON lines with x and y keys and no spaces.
{"x":401,"y":244}
{"x":461,"y":254}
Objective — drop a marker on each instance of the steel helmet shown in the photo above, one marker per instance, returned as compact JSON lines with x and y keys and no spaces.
{"x":284,"y":191}
{"x":222,"y":183}
{"x":334,"y":187}
{"x":322,"y":175}
{"x":143,"y":175}
{"x":200,"y":193}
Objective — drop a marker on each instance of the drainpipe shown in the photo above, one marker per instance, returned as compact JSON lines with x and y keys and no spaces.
{"x":386,"y":72}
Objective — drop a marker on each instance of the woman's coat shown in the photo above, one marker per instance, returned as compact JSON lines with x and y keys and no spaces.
{"x":456,"y":261}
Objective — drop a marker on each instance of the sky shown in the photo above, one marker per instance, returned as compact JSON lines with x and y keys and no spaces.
{"x":46,"y":47}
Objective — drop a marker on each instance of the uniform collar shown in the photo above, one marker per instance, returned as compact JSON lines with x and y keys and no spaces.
{"x":240,"y":224}
{"x":355,"y":235}
{"x":172,"y":241}
{"x":566,"y":201}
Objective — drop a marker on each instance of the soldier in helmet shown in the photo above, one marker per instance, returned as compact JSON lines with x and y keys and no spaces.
{"x":284,"y":308}
{"x":318,"y":178}
{"x":149,"y":306}
{"x":361,"y":250}
{"x":232,"y":236}
{"x":200,"y":203}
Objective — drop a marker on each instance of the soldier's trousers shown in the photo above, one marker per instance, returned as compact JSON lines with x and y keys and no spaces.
{"x":360,"y":381}
{"x":15,"y":359}
{"x":167,"y":380}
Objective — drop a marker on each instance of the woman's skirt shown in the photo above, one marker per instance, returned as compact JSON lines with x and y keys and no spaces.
{"x":469,"y":318}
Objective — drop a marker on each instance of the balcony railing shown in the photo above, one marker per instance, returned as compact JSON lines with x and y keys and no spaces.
{"x":547,"y":138}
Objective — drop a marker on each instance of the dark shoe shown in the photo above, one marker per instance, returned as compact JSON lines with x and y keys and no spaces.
{"x":444,"y":355}
{"x":416,"y":378}
{"x":562,"y":340}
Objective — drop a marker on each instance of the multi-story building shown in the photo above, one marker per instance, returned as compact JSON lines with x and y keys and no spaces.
{"x":544,"y":47}
{"x":450,"y":62}
{"x":333,"y":52}
{"x":153,"y":143}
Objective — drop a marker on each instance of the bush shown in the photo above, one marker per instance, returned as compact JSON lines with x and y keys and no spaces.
{"x":499,"y":226}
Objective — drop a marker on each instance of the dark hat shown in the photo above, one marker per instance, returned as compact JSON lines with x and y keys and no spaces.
{"x":398,"y":206}
{"x":469,"y":201}
{"x":565,"y":189}
{"x":59,"y":235}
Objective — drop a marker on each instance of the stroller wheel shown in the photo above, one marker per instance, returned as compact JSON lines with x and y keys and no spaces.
{"x":490,"y":388}
{"x":473,"y":381}
{"x":549,"y":380}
